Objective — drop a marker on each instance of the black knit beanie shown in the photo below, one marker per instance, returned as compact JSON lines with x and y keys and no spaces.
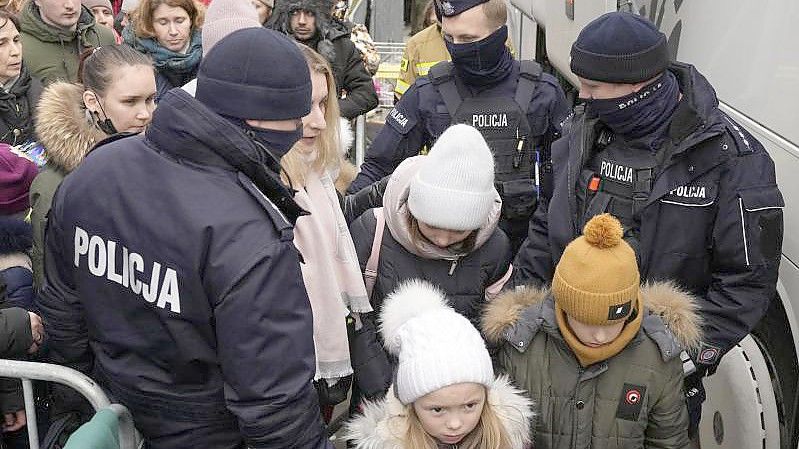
{"x":257,"y":74}
{"x":620,"y":47}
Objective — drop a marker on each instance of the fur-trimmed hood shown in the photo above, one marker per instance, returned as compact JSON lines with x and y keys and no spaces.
{"x":63,"y":127}
{"x":665,"y":304}
{"x":328,"y":29}
{"x":384,"y":423}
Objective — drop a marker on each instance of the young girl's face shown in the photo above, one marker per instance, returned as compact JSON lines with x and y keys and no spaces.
{"x":451,"y":413}
{"x":442,"y":238}
{"x":594,"y":336}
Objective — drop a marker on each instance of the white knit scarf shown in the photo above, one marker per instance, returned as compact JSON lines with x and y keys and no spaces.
{"x":331,"y":273}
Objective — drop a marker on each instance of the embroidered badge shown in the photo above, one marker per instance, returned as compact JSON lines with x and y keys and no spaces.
{"x":708,"y":354}
{"x":631,"y":402}
{"x":619,"y":311}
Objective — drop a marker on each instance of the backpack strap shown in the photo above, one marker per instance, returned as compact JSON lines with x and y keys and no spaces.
{"x":441,"y":77}
{"x":370,"y":271}
{"x":529,"y":76}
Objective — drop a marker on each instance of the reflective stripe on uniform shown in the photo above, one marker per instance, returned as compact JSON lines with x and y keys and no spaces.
{"x":401,"y":87}
{"x":422,"y":68}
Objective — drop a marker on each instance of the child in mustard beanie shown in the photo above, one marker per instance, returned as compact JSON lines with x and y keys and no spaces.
{"x":600,"y":354}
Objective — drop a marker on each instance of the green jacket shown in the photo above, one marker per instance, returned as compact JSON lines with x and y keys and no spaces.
{"x":52,"y":54}
{"x":67,"y":137}
{"x":634,"y":400}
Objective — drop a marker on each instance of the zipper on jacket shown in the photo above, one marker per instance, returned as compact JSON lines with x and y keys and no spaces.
{"x":453,"y":266}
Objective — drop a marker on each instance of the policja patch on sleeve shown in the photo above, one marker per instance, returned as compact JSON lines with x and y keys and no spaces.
{"x":400,"y":121}
{"x":631,"y":402}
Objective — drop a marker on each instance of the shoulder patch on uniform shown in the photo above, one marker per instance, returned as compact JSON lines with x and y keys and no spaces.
{"x":631,"y":402}
{"x":708,"y":354}
{"x":404,"y":65}
{"x":400,"y":120}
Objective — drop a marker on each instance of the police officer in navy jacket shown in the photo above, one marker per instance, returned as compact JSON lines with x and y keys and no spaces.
{"x":516,"y":107}
{"x":696,"y":193}
{"x":171,"y":274}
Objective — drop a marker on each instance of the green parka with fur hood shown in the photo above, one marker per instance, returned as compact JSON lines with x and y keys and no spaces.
{"x":67,"y":136}
{"x":633,"y":400}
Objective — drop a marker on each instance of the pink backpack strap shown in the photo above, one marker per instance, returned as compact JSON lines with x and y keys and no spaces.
{"x":370,"y":272}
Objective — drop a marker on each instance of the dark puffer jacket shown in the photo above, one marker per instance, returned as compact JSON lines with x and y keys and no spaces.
{"x":16,"y":272}
{"x":17,"y":108}
{"x":464,"y":277}
{"x":633,"y":400}
{"x":205,"y":332}
{"x":356,"y":91}
{"x":724,"y":247}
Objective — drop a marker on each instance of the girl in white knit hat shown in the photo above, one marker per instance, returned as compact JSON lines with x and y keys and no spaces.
{"x":445,"y":393}
{"x":440,"y":215}
{"x":438,"y":222}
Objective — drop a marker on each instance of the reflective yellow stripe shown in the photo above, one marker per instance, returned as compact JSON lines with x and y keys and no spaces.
{"x":401,"y":87}
{"x":423,"y":67}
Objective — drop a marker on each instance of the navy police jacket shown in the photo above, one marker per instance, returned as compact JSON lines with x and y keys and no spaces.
{"x":712,"y":222}
{"x":173,"y":280}
{"x":421,"y":116}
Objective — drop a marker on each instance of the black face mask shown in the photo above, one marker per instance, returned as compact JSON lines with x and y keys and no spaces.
{"x":277,"y":142}
{"x":484,"y":62}
{"x":642,"y":113}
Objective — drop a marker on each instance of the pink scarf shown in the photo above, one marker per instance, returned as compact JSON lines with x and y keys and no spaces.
{"x":331,"y":273}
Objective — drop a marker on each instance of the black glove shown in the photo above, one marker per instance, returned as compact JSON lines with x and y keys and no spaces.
{"x":369,"y":360}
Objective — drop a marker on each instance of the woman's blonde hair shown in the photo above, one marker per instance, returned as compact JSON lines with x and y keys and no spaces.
{"x":489,"y":433}
{"x":328,"y":156}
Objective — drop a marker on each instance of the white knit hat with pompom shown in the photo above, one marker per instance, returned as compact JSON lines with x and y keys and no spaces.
{"x":435,"y":345}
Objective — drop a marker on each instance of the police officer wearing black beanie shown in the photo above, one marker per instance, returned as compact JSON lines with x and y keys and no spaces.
{"x":516,"y":107}
{"x":696,"y":192}
{"x":171,"y":273}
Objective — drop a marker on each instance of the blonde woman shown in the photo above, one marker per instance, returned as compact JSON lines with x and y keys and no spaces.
{"x":330,"y":266}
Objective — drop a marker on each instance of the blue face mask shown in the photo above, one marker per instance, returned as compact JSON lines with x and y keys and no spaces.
{"x":641,"y":113}
{"x":484,"y":62}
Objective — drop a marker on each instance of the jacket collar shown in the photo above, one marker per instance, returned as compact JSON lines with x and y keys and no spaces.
{"x":383,"y":424}
{"x":671,"y":317}
{"x":187,"y":130}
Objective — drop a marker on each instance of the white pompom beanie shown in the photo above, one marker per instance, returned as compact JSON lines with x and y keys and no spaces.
{"x":436,"y":346}
{"x":454,"y":189}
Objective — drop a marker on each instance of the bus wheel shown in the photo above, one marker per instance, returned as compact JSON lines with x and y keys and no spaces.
{"x":741,"y":410}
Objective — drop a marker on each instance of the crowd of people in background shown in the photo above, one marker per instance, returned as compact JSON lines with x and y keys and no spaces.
{"x":179,"y":222}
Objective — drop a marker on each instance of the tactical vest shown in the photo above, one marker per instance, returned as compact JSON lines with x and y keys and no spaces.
{"x":518,"y":156}
{"x":618,"y":180}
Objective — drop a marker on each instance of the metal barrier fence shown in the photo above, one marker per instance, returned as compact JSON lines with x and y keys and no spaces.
{"x":28,"y":371}
{"x":385,"y":81}
{"x":386,"y":76}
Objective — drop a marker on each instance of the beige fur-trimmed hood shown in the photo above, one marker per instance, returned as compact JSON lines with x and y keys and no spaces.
{"x":62,"y":127}
{"x":384,"y":423}
{"x":676,"y":308}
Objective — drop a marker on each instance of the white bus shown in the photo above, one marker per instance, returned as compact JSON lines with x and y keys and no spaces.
{"x":749,"y":50}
